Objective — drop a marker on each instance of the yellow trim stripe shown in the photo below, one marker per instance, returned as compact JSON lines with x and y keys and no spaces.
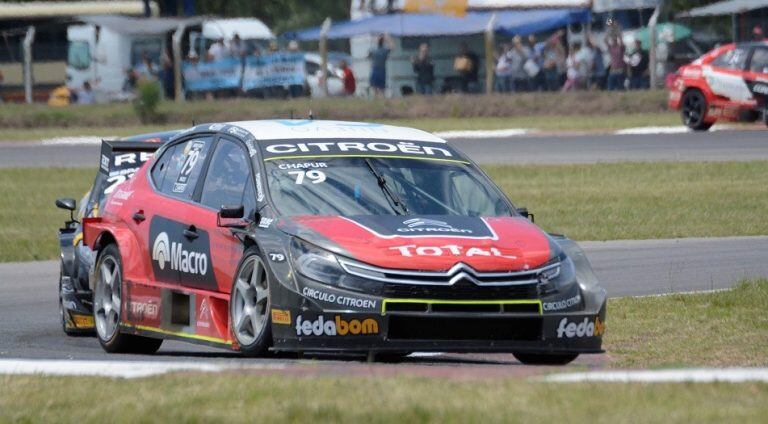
{"x":363,"y":156}
{"x":78,"y":238}
{"x":178,"y":334}
{"x":462,"y":302}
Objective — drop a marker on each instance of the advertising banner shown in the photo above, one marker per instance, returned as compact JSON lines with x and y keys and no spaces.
{"x":277,"y":69}
{"x":218,"y":75}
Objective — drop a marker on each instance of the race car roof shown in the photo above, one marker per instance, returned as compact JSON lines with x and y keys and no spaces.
{"x":311,"y":129}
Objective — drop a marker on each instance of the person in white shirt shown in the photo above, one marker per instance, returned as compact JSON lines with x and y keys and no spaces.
{"x":85,"y":94}
{"x":585,"y":58}
{"x":217,"y":51}
{"x":503,"y":71}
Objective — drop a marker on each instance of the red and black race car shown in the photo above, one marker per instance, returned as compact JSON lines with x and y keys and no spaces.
{"x":729,"y":82}
{"x":119,"y":160}
{"x":312,"y":236}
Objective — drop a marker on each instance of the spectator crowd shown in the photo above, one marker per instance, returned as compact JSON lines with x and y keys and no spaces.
{"x":528,"y":64}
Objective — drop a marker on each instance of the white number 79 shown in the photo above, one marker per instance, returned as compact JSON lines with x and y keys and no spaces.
{"x":314,"y":176}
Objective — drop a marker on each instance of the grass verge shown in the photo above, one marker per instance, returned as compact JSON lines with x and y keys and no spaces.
{"x":541,"y":123}
{"x":646,"y":200}
{"x":358,"y":109}
{"x":727,"y":328}
{"x":239,"y":397}
{"x":585,"y":202}
{"x":28,"y":217}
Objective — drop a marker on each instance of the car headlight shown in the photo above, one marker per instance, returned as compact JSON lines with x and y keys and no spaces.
{"x":315,"y":263}
{"x":557,"y":276}
{"x":322,"y":266}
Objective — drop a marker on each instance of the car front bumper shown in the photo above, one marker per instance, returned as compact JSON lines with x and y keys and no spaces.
{"x":325,"y":322}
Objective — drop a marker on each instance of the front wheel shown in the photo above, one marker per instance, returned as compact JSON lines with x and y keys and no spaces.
{"x":545,"y":358}
{"x":249,"y":305}
{"x":107,"y":312}
{"x":694,"y":110}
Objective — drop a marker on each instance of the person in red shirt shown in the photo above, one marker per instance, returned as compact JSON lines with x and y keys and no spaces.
{"x":349,"y":79}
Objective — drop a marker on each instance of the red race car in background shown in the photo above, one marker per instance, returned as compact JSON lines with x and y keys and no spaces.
{"x":729,"y":82}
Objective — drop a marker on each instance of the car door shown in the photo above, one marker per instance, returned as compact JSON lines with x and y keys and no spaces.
{"x":757,"y":74}
{"x":725,"y":76}
{"x":177,"y":251}
{"x":228,"y":181}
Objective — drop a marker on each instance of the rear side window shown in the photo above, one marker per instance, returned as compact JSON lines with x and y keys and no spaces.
{"x":759,"y":62}
{"x":732,"y":59}
{"x":176,"y":172}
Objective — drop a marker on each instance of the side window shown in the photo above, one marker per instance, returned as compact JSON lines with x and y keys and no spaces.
{"x":79,"y":55}
{"x":759,"y":62}
{"x":182,"y":168}
{"x":227,"y":176}
{"x":161,"y":166}
{"x":311,"y":67}
{"x":732,"y":59}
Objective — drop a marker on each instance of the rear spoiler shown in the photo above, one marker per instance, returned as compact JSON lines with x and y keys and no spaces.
{"x":118,"y":162}
{"x":132,"y":154}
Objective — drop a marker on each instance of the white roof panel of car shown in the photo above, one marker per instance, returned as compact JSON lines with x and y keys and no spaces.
{"x":309,"y":129}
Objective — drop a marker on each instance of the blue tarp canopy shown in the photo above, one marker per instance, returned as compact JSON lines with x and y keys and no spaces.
{"x":508,"y":22}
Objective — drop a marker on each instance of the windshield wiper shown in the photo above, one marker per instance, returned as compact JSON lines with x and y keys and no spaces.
{"x":385,"y":188}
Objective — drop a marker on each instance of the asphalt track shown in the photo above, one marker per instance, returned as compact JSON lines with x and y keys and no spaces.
{"x":530,"y":149}
{"x":29,"y":326}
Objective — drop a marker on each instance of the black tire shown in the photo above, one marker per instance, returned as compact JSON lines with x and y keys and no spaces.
{"x":693,"y":110}
{"x":113,"y":341}
{"x":545,"y":358}
{"x":62,"y":314}
{"x":765,"y":116}
{"x":253,"y":341}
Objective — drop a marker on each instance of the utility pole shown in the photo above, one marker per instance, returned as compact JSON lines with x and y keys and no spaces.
{"x":29,"y":81}
{"x":489,"y":65}
{"x":652,"y":43}
{"x":324,"y":54}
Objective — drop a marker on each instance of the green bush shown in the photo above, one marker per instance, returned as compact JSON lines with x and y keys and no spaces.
{"x":147,"y":99}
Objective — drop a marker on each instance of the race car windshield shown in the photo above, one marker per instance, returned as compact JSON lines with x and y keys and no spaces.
{"x":381,"y":186}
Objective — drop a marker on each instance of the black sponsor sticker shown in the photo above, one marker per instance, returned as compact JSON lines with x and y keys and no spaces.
{"x":366,"y":147}
{"x":192,"y":158}
{"x":176,"y":258}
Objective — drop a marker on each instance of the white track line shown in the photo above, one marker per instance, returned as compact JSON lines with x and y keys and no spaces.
{"x":72,"y":141}
{"x":709,"y":291}
{"x":123,"y":369}
{"x":693,"y":375}
{"x":676,"y":129}
{"x":510,"y":132}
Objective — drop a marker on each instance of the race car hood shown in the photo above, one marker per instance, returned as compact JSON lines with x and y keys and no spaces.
{"x":428,"y":243}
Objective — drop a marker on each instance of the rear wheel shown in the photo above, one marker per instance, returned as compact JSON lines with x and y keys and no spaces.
{"x":249,"y":305}
{"x":694,"y":110}
{"x":107,"y":312}
{"x":545,"y":358}
{"x":765,"y":116}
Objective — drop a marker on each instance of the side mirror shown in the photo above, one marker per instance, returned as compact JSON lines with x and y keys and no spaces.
{"x":70,"y":205}
{"x":524,"y":212}
{"x":232,"y":212}
{"x":66,"y":203}
{"x":228,"y":212}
